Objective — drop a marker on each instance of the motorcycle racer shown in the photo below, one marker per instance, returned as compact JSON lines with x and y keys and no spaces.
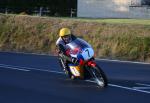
{"x":76,"y":56}
{"x":65,"y":37}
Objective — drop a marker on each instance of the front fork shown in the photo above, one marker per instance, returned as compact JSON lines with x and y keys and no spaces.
{"x":90,"y":72}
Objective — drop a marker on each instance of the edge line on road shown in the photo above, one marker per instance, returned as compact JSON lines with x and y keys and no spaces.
{"x":27,"y":68}
{"x":128,"y":88}
{"x":14,"y":68}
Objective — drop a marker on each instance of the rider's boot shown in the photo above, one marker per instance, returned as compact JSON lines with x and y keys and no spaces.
{"x":66,"y":67}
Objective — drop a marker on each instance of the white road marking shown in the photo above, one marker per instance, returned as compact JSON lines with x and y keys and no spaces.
{"x":90,"y":81}
{"x":123,"y":61}
{"x":27,"y":68}
{"x":123,"y":87}
{"x":141,"y":87}
{"x":128,"y":88}
{"x":50,"y":71}
{"x":14,"y":68}
{"x":143,"y":84}
{"x":112,"y":85}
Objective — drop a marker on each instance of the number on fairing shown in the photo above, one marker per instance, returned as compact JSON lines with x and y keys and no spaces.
{"x":87,"y":52}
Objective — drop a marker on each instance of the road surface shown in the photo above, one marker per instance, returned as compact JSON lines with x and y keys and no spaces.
{"x":32,"y":78}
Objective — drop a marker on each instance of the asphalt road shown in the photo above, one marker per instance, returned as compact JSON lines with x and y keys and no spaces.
{"x":30,"y":78}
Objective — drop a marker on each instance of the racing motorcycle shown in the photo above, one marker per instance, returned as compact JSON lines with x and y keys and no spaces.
{"x":86,"y":67}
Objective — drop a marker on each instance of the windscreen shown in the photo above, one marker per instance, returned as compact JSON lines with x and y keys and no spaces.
{"x":78,"y":44}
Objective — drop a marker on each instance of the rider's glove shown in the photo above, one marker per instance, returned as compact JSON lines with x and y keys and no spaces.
{"x":74,"y":60}
{"x":67,"y":52}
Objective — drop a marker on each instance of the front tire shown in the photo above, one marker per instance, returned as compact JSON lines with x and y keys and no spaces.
{"x":99,"y":76}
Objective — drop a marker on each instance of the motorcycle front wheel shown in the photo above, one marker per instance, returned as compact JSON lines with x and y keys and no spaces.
{"x":99,"y":76}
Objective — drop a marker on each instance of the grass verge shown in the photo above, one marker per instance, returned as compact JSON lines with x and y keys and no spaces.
{"x":125,"y":39}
